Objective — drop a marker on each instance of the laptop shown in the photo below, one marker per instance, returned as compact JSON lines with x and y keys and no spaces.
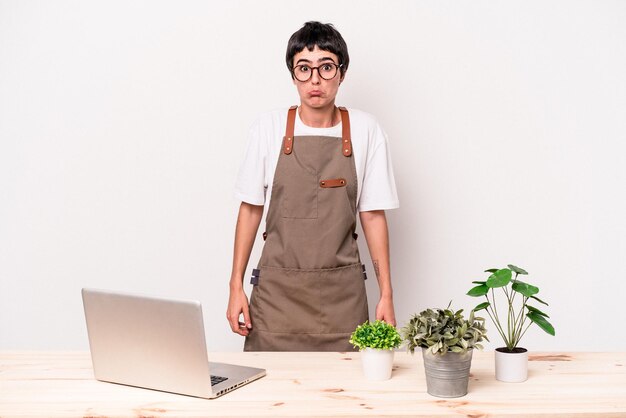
{"x":156,"y":343}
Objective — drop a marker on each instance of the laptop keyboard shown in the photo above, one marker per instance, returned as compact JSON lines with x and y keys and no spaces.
{"x":217,"y":379}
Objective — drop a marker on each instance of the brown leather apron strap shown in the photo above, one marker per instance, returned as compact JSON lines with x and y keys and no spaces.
{"x":346,"y":140}
{"x":291,"y":123}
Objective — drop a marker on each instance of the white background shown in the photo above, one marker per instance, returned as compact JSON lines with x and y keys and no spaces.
{"x":122,"y":127}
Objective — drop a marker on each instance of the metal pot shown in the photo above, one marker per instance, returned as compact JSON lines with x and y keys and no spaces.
{"x":447,"y":375}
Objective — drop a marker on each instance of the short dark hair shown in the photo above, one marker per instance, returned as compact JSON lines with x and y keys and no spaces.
{"x":325,"y":36}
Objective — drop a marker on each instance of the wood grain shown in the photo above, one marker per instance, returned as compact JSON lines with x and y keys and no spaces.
{"x":61,"y":384}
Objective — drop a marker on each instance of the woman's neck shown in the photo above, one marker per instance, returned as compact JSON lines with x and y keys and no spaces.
{"x":319,"y":118}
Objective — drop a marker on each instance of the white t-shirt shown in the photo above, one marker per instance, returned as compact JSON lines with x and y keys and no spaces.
{"x":376,"y":184}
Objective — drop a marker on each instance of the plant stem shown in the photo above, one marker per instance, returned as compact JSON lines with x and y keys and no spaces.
{"x":494,"y":317}
{"x":521,"y":319}
{"x":512,"y":291}
{"x":505,"y":292}
{"x":495,"y":310}
{"x":498,"y":327}
{"x":512,"y":320}
{"x":493,"y":296}
{"x":528,"y":326}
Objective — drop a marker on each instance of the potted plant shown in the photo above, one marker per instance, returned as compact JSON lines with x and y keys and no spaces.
{"x":447,"y":340}
{"x":511,"y":360}
{"x":376,"y":341}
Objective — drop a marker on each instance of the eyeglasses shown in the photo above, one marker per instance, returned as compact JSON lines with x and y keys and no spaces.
{"x":304,"y":72}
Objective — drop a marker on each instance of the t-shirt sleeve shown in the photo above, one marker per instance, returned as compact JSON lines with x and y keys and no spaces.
{"x":379,"y":185}
{"x":250,"y":185}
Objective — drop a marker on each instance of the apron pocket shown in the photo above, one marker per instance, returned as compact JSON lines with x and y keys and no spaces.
{"x":288,"y":301}
{"x":299,"y":196}
{"x":325,"y":301}
{"x":344,"y":299}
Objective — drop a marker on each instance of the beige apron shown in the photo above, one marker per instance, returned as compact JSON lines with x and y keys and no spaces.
{"x":309,"y":290}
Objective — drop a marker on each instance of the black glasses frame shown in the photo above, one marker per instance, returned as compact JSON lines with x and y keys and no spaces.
{"x":337,"y":68}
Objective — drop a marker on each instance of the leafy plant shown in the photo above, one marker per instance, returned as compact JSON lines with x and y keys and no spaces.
{"x":517,"y":315}
{"x":377,"y":334}
{"x":442,"y":330}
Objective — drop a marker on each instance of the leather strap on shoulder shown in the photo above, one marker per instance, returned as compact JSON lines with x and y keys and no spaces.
{"x":346,"y":140}
{"x":288,"y":138}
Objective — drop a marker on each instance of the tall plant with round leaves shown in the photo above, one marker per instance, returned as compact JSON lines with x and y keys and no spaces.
{"x":519,"y":314}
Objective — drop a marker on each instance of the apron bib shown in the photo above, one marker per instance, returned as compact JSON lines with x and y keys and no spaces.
{"x":309,"y":291}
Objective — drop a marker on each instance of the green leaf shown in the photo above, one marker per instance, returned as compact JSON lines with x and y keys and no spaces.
{"x":479,"y":282}
{"x":525,"y":288}
{"x":378,"y":334}
{"x":541,"y":321}
{"x":517,"y":269}
{"x":480,"y":290}
{"x":500,"y":278}
{"x":539,"y":300}
{"x":533,"y":309}
{"x":481,"y":306}
{"x":491,"y":270}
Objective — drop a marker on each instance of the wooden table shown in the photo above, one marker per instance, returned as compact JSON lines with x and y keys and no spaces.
{"x":60,"y":384}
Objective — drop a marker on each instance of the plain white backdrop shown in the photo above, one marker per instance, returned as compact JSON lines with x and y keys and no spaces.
{"x":122,"y":127}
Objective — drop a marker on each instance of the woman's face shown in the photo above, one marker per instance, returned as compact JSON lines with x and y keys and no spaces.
{"x":317,"y":92}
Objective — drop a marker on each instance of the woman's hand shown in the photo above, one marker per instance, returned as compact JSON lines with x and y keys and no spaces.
{"x":385,"y":311}
{"x":374,"y":225}
{"x":237,"y":305}
{"x":247,"y":225}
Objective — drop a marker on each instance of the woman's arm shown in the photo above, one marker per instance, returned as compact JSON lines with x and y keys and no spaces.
{"x":374,"y":225}
{"x":247,"y":225}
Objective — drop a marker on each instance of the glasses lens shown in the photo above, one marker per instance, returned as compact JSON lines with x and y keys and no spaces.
{"x":302,"y":72}
{"x":327,"y":71}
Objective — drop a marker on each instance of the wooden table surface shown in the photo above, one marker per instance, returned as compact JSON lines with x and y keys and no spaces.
{"x":61,"y":384}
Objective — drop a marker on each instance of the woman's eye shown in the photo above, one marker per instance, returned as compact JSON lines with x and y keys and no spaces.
{"x":304,"y":69}
{"x":327,"y":67}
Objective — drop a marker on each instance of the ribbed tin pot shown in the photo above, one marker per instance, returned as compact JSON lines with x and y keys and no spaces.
{"x":447,"y":375}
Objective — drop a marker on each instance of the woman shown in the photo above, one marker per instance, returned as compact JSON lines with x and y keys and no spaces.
{"x":320,"y":165}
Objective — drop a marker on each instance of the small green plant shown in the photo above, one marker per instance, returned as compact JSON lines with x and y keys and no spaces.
{"x":516,"y":316}
{"x":442,"y":330}
{"x":377,"y":334}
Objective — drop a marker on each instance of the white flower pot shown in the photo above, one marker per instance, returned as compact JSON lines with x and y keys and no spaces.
{"x":511,"y":367}
{"x":377,"y":364}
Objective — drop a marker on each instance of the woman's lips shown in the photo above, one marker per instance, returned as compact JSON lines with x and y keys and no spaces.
{"x":315,"y":93}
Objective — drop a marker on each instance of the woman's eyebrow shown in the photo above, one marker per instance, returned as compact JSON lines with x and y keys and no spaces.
{"x":319,"y":60}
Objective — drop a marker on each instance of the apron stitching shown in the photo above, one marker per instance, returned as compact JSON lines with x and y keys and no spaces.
{"x":304,"y":333}
{"x":359,"y":264}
